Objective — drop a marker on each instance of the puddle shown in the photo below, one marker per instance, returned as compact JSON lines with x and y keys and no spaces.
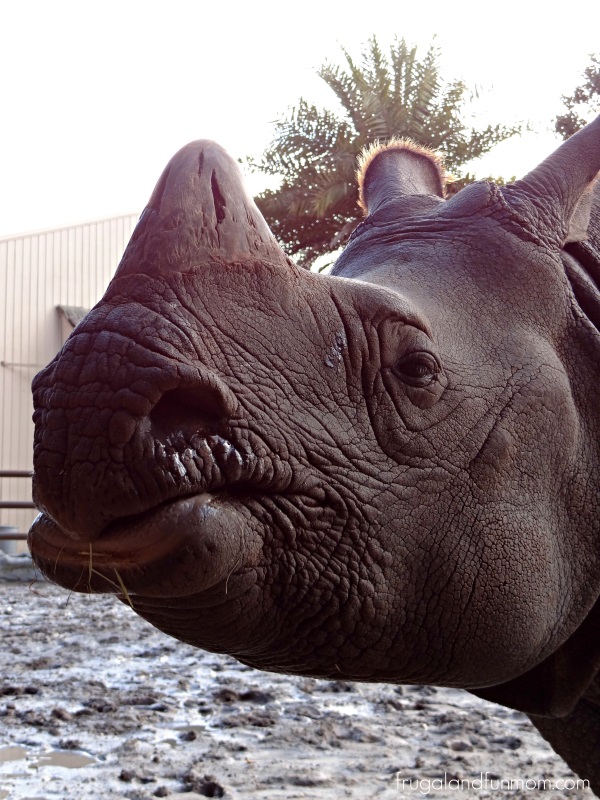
{"x":53,"y":758}
{"x":64,"y":758}
{"x":192,"y":728}
{"x":12,"y":753}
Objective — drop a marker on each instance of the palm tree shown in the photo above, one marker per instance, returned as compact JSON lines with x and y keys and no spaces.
{"x":315,"y":150}
{"x":585,"y":99}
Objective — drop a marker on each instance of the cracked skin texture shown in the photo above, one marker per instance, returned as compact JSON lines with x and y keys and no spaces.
{"x":389,"y":473}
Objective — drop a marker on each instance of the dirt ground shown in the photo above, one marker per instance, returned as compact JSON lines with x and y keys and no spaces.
{"x":97,"y":704}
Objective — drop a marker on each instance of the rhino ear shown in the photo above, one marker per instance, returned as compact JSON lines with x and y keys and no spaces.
{"x":560,"y":190}
{"x":389,"y":172}
{"x":199,"y":210}
{"x":580,"y":218}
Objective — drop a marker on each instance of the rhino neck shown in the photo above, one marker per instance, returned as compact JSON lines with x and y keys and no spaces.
{"x":582,"y":267}
{"x":554,"y":687}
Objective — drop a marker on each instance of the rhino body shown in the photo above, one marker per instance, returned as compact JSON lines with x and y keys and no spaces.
{"x":389,"y":473}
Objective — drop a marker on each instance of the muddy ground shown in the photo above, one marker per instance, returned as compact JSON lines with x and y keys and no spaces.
{"x":97,"y":704}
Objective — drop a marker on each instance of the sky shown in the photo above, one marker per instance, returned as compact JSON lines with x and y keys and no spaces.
{"x":97,"y":96}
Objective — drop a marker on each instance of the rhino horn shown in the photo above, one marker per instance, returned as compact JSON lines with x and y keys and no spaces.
{"x":398,"y":169}
{"x":564,"y":182}
{"x":199,"y":210}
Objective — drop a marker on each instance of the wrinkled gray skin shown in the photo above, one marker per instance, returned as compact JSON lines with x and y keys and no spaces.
{"x":386,"y":474}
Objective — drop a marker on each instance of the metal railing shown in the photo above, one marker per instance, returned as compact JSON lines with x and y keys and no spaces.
{"x":10,"y":534}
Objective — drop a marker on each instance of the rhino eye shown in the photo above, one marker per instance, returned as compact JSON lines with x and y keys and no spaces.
{"x":417,"y":369}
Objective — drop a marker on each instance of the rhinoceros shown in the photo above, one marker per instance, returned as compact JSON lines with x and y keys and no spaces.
{"x":387,"y":473}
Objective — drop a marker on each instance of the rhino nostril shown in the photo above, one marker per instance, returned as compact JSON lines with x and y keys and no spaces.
{"x":187,"y":410}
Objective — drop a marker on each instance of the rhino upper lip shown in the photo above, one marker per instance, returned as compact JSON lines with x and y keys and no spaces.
{"x":126,"y":533}
{"x":121,"y":540}
{"x":113,"y":535}
{"x":128,"y":525}
{"x":144,"y":552}
{"x":132,"y":539}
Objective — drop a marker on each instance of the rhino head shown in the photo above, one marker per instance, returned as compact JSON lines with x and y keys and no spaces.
{"x":389,"y":473}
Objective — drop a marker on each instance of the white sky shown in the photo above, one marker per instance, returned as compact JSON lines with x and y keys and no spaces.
{"x":97,"y":96}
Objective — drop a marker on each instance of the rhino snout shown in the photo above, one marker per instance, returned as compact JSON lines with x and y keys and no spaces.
{"x":141,"y":495}
{"x":164,"y":434}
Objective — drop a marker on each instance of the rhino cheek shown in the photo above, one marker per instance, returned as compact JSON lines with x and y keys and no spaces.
{"x":479,"y":512}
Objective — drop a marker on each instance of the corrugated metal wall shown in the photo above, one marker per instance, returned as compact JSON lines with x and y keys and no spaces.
{"x":38,"y":272}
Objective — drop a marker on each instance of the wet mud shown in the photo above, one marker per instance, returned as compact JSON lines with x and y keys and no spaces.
{"x":97,"y":704}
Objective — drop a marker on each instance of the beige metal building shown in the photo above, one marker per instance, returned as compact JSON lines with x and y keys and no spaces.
{"x":47,"y":281}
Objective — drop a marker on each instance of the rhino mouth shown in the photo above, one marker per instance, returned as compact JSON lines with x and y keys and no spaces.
{"x":185,"y":543}
{"x":177,"y":548}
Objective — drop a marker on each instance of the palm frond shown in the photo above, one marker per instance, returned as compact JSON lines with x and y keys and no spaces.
{"x":315,"y":150}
